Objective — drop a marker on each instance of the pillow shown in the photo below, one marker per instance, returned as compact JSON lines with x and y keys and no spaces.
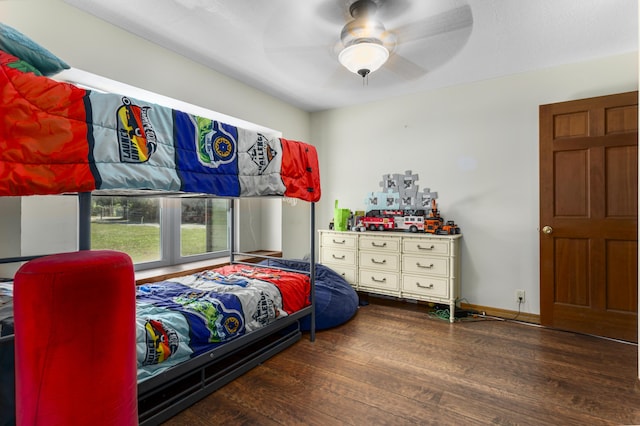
{"x":17,"y":44}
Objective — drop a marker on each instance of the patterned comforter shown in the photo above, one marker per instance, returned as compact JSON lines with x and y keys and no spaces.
{"x":180,"y":318}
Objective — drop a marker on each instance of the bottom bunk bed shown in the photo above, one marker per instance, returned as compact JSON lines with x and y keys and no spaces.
{"x":196,"y":333}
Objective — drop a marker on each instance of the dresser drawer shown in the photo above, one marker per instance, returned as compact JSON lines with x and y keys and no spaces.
{"x":425,"y":265}
{"x":426,"y":246}
{"x":378,"y":280}
{"x":337,"y":240}
{"x":379,"y":243}
{"x":336,"y":256}
{"x":347,"y":273}
{"x":380,"y":260}
{"x":425,"y":285}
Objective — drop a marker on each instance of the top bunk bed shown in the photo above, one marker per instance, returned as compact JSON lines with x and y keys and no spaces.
{"x":58,"y":137}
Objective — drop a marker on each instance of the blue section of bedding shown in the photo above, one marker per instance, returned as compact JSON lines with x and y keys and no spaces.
{"x":206,"y":148}
{"x":209,"y":317}
{"x":336,"y":300}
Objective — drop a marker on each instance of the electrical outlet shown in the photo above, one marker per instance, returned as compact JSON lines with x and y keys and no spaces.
{"x":519,"y":296}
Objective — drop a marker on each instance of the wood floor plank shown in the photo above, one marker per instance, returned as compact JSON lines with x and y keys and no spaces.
{"x":392,"y":364}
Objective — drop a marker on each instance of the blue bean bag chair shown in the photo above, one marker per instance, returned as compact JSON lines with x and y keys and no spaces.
{"x":336,"y":300}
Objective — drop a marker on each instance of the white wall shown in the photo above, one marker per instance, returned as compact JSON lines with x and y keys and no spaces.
{"x":93,"y":45}
{"x":36,"y":225}
{"x":296,"y":228}
{"x":10,"y":208}
{"x":477,"y":146}
{"x":59,"y":229}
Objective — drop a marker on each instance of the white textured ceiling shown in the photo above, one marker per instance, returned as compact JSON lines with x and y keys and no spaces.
{"x":288,"y":48}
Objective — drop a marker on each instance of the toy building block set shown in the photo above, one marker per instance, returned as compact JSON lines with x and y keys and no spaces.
{"x":401,"y":207}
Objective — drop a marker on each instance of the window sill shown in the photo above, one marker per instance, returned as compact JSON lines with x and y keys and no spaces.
{"x":159,"y":274}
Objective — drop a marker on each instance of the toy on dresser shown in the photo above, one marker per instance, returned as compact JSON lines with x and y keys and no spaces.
{"x":400,"y":207}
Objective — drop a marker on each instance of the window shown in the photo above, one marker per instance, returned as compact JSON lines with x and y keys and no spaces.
{"x":159,"y":231}
{"x":203,"y":226}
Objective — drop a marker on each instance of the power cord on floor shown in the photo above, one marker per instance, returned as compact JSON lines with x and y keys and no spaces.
{"x":437,"y":311}
{"x":442,"y":314}
{"x":478,"y":316}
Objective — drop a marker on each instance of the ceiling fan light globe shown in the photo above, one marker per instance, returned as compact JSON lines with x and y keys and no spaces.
{"x":363,"y":56}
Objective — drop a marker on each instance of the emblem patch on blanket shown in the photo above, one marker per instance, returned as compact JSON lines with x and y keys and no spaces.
{"x":262,"y":153}
{"x":214,"y":145}
{"x":266,"y":310}
{"x":136,"y":136}
{"x":222,"y":322}
{"x":162,"y":342}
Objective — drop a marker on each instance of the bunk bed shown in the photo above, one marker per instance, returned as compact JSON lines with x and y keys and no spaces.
{"x":60,"y":138}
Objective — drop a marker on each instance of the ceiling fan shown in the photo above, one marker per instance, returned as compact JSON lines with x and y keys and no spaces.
{"x":366,"y":41}
{"x":366,"y":45}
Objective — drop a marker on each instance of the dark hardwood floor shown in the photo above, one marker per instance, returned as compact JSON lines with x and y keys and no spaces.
{"x":394,"y":365}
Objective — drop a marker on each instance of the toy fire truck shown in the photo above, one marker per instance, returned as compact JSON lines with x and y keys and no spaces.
{"x":402,"y":208}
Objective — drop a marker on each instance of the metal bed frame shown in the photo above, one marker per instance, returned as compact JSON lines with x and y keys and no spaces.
{"x":163,"y":395}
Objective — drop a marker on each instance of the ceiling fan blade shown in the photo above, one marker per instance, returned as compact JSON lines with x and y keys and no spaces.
{"x":404,"y":67}
{"x":451,"y":20}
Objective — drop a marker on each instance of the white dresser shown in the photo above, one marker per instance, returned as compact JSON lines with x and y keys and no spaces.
{"x":412,"y":266}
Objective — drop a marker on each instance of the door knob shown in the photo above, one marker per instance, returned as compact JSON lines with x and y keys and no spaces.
{"x":547,"y":230}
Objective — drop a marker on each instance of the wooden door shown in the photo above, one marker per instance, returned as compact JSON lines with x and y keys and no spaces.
{"x":589,"y":216}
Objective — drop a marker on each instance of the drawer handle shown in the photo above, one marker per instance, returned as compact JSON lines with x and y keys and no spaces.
{"x":426,"y":248}
{"x":373,"y":243}
{"x":339,"y":242}
{"x":428,"y":287}
{"x":379,"y":262}
{"x":338,"y":257}
{"x":424,"y":267}
{"x":384,"y":280}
